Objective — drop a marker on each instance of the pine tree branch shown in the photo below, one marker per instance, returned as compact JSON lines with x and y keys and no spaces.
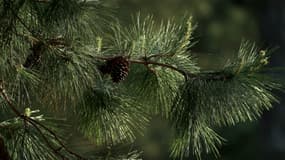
{"x":20,"y":19}
{"x":58,"y":41}
{"x":210,"y":76}
{"x":147,"y":62}
{"x":37,"y":46}
{"x":30,"y":38}
{"x":36,"y":124}
{"x":162,"y":65}
{"x":56,"y":151}
{"x":8,"y":100}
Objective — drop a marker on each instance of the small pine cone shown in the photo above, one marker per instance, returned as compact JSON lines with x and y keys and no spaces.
{"x":35,"y":56}
{"x":119,"y":68}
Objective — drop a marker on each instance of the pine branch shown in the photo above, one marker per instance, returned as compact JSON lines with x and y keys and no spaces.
{"x":237,"y":93}
{"x":38,"y":46}
{"x":8,"y":100}
{"x":56,"y":151}
{"x":162,"y":65}
{"x":147,"y":62}
{"x":107,"y":111}
{"x":210,"y":76}
{"x":35,"y":123}
{"x":56,"y":42}
{"x":21,"y":21}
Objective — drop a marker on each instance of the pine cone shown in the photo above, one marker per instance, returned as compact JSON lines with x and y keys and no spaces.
{"x":35,"y":56}
{"x":117,"y":67}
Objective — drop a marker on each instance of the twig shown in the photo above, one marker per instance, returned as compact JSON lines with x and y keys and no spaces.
{"x":208,"y":76}
{"x":147,"y":62}
{"x":54,"y":42}
{"x":37,"y":46}
{"x":30,"y":38}
{"x":56,"y":138}
{"x":20,"y":20}
{"x":160,"y":64}
{"x":8,"y":100}
{"x":46,"y":140}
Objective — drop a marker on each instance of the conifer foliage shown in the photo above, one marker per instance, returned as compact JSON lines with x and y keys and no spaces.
{"x":88,"y":73}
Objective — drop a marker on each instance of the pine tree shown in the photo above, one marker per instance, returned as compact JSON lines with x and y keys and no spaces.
{"x":75,"y":62}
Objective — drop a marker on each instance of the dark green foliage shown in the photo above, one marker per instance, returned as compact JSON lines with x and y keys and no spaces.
{"x":9,"y":14}
{"x":109,"y":117}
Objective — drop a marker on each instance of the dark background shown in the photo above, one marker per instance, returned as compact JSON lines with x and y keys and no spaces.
{"x":222,"y":25}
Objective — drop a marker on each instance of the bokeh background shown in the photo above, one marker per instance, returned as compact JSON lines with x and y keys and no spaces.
{"x":222,"y":25}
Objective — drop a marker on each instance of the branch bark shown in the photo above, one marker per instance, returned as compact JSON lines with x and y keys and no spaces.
{"x":185,"y":74}
{"x":148,"y":62}
{"x":209,"y":76}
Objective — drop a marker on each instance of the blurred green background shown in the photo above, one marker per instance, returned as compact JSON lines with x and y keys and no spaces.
{"x":222,"y":25}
